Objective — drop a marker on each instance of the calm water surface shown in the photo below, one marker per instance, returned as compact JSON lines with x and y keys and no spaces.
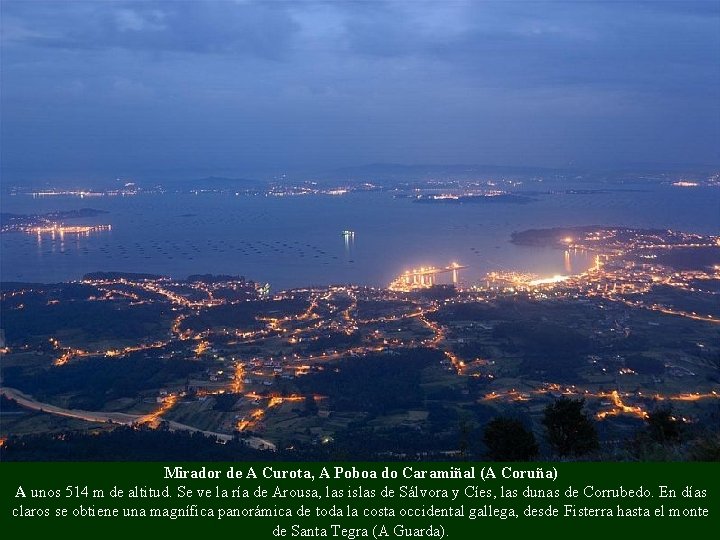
{"x":297,"y":241}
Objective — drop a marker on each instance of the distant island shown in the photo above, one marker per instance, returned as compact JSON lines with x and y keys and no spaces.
{"x":509,"y":198}
{"x":8,"y":219}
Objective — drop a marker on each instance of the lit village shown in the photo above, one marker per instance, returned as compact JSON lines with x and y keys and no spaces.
{"x":227,"y":357}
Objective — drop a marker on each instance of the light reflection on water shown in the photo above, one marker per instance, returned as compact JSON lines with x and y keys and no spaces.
{"x":299,"y":241}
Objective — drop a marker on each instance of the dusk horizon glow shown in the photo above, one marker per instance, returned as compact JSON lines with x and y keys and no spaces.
{"x":95,"y":90}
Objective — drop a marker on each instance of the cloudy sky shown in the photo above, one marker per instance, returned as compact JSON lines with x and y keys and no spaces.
{"x":119,"y":88}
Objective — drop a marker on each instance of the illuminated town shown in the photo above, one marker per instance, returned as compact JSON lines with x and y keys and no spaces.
{"x":51,"y":224}
{"x":61,"y":230}
{"x":424,"y":277}
{"x":259,"y":366}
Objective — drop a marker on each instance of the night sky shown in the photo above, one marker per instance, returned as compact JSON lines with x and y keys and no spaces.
{"x":105,"y":89}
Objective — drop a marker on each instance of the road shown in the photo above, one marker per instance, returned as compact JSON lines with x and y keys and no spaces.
{"x":120,"y":418}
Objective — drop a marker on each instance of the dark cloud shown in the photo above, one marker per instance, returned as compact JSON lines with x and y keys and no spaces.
{"x":533,"y":43}
{"x":123,"y":87}
{"x":264,"y":29}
